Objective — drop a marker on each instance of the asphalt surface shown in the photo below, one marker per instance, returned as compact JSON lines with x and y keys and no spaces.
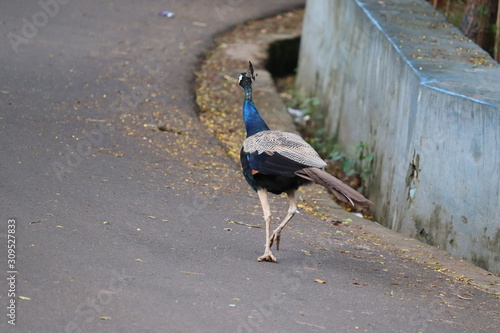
{"x":121,"y":199}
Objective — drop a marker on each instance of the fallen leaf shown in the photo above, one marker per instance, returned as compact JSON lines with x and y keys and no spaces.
{"x":228,"y":229}
{"x":192,"y":273}
{"x":139,"y":260}
{"x":319,"y":281}
{"x":462,"y":297}
{"x":105,"y":318}
{"x":24,"y":297}
{"x":360,"y":283}
{"x":309,"y":324}
{"x":433,"y":263}
{"x":199,"y":24}
{"x":312,"y":269}
{"x":241,"y":223}
{"x":152,"y":217}
{"x":106,"y":222}
{"x":336,"y":222}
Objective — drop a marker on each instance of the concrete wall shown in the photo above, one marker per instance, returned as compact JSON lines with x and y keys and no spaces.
{"x":397,"y":75}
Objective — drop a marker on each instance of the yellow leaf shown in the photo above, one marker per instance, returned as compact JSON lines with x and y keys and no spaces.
{"x":105,"y":318}
{"x":433,"y":263}
{"x":319,"y":281}
{"x":24,"y":297}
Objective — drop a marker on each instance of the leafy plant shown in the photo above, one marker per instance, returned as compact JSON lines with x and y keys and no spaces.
{"x":364,"y":163}
{"x":355,"y":162}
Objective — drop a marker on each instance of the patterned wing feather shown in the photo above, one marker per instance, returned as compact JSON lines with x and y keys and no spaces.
{"x":283,"y":148}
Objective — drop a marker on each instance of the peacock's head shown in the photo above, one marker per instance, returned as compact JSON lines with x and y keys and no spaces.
{"x":245,"y":79}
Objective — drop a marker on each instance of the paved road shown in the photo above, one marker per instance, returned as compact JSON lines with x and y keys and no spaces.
{"x":121,"y":198}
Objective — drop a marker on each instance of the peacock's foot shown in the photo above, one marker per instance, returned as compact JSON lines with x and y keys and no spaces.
{"x":267,"y":256}
{"x":275,"y":237}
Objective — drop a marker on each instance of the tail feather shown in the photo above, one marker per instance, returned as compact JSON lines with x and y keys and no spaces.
{"x":342,"y":191}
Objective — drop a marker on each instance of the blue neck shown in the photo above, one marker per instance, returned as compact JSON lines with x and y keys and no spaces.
{"x":253,"y":121}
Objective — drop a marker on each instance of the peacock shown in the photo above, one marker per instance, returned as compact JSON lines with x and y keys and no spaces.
{"x":280,"y":162}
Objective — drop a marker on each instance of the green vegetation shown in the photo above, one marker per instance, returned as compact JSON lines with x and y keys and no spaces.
{"x":356,"y":162}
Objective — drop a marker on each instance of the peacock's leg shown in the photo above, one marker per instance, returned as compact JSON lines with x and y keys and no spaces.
{"x":268,"y":255}
{"x":292,"y":209}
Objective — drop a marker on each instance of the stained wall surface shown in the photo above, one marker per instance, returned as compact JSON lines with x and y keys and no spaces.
{"x":396,"y":74}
